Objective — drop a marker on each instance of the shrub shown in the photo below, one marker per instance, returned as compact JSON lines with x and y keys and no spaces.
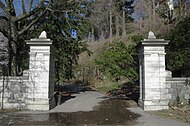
{"x":118,"y":60}
{"x":106,"y":87}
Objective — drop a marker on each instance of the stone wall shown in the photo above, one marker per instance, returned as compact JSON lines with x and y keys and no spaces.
{"x":158,"y":89}
{"x":13,"y":92}
{"x":34,"y":90}
{"x":179,"y":90}
{"x":17,"y":93}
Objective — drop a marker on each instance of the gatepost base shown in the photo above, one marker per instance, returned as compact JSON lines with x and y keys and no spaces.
{"x":153,"y":105}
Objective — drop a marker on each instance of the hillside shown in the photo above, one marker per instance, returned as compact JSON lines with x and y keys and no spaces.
{"x":98,"y":46}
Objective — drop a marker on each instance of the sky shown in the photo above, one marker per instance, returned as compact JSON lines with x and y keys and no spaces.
{"x":18,"y":5}
{"x":139,"y":14}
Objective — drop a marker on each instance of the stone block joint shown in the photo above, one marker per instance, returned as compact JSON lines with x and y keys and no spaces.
{"x":152,"y":58}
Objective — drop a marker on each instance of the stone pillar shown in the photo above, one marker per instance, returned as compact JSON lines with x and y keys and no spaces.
{"x":153,"y":92}
{"x":41,"y":74}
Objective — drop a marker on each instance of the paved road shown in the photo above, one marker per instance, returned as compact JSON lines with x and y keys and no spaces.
{"x":147,"y":119}
{"x":88,"y":100}
{"x":79,"y":111}
{"x":84,"y":101}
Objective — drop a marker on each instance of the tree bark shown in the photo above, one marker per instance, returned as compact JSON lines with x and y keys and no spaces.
{"x":182,"y":8}
{"x":123,"y":25}
{"x":117,"y":26}
{"x":14,"y":31}
{"x":154,"y":14}
{"x":92,"y":37}
{"x":102,"y":36}
{"x":111,"y":32}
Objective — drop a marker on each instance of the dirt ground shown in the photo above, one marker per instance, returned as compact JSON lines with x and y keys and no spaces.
{"x":178,"y":113}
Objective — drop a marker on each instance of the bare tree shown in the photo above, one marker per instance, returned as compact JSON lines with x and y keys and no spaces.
{"x":154,"y":12}
{"x":111,"y":31}
{"x":16,"y":24}
{"x":102,"y":13}
{"x":182,"y":6}
{"x":3,"y":50}
{"x":117,"y":25}
{"x":123,"y":25}
{"x":148,"y":17}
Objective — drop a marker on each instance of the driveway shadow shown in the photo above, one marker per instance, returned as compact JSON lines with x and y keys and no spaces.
{"x":128,"y":91}
{"x":63,"y":92}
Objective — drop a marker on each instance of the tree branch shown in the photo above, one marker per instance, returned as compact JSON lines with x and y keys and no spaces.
{"x":2,"y":6}
{"x":29,"y":25}
{"x":11,"y":7}
{"x":23,"y":7}
{"x":6,"y":34}
{"x":64,"y":11}
{"x":3,"y":17}
{"x":35,"y":11}
{"x":34,"y":20}
{"x":31,"y":3}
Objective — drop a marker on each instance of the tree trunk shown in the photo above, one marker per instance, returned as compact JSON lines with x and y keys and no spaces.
{"x":117,"y":26}
{"x":89,"y":35}
{"x":10,"y":59}
{"x":182,"y":8}
{"x":13,"y":31}
{"x":18,"y":61}
{"x":12,"y":47}
{"x":154,"y":14}
{"x":102,"y":36}
{"x":111,"y":32}
{"x":92,"y":37}
{"x":123,"y":25}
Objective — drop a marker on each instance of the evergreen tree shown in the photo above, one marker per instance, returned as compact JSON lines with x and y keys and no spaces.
{"x":66,"y":25}
{"x":178,"y":51}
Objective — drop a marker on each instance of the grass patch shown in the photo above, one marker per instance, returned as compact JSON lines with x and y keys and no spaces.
{"x":176,"y":113}
{"x":109,"y":86}
{"x":9,"y":110}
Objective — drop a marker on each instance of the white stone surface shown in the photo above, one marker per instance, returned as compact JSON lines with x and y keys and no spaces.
{"x":43,"y":35}
{"x":153,"y":93}
{"x":151,"y":35}
{"x":41,"y":74}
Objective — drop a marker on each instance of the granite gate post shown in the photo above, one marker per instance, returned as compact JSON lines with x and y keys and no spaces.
{"x":153,"y":91}
{"x":41,"y":74}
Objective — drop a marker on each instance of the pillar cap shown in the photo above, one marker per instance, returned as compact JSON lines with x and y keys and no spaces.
{"x":152,"y":40}
{"x":42,"y":40}
{"x":39,"y":41}
{"x":155,"y":42}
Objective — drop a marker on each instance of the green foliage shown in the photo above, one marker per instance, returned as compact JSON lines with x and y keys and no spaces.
{"x":137,"y":38}
{"x":178,"y":51}
{"x":118,"y":60}
{"x":58,"y":23}
{"x":108,"y":87}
